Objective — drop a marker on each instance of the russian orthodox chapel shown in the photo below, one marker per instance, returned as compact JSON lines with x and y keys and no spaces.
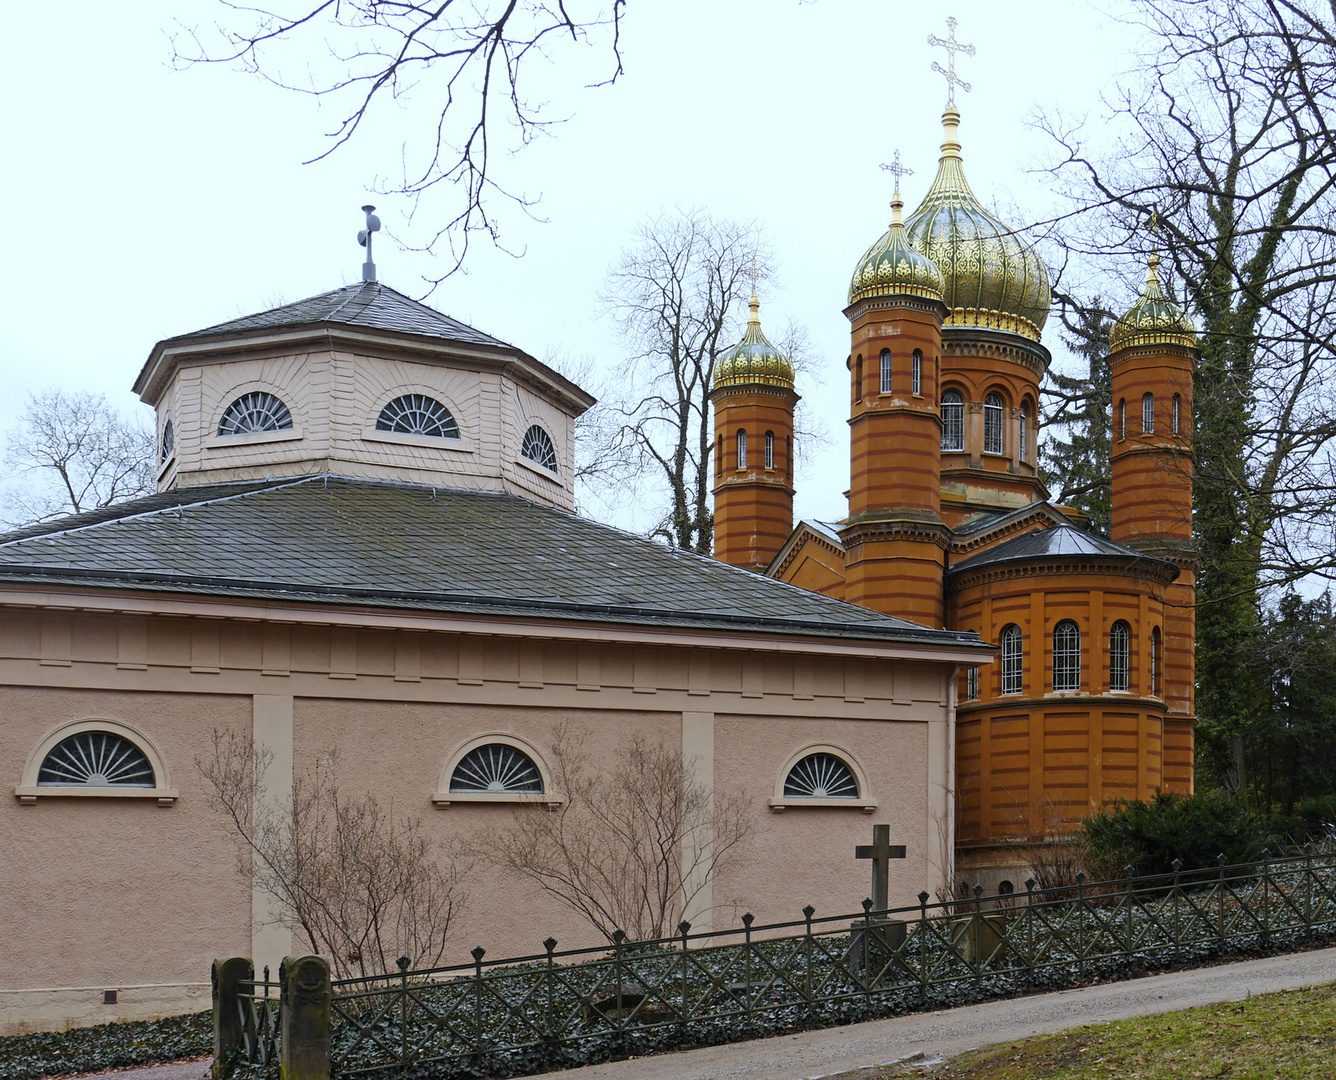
{"x":950,"y":525}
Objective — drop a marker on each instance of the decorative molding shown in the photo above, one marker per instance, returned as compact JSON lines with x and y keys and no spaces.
{"x":1077,"y":564}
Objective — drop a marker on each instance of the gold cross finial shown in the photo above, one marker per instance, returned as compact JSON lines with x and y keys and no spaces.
{"x":898,"y":170}
{"x":952,"y":46}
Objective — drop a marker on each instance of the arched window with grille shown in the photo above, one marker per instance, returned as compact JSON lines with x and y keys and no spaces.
{"x":1155,"y":662}
{"x":168,"y":445}
{"x":1066,"y":656}
{"x":254,"y":413}
{"x":1023,"y":432}
{"x":1176,"y":414}
{"x":992,"y":423}
{"x":1148,"y":414}
{"x":1120,"y":655}
{"x":537,"y":447}
{"x":769,"y":449}
{"x":953,"y":421}
{"x":1122,"y":419}
{"x":858,"y":379}
{"x":821,"y":776}
{"x":885,"y":371}
{"x":1012,"y":656}
{"x":497,"y":768}
{"x":918,"y":372}
{"x":95,"y":757}
{"x":742,"y":449}
{"x":418,"y":414}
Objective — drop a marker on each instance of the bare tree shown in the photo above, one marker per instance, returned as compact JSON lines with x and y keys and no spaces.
{"x":633,"y":846}
{"x":359,"y":882}
{"x":82,"y":453}
{"x":468,"y":58}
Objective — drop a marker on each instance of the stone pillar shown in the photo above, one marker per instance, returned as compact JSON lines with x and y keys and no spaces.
{"x":307,"y":1006}
{"x":226,"y":1017}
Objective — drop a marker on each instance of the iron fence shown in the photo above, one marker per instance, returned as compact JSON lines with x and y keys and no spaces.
{"x":260,"y":1017}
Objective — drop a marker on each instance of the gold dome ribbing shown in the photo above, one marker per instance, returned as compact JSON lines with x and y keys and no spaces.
{"x":753,"y":359}
{"x":1154,"y":319}
{"x":992,"y":278}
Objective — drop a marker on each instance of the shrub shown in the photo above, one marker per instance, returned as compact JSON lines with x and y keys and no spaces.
{"x":1149,"y":836}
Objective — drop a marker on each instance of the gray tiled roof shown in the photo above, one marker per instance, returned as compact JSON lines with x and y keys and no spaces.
{"x":1061,"y":541}
{"x":327,"y":539}
{"x":367,"y":304}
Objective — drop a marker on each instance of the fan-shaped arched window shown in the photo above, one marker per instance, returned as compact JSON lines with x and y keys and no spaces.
{"x":498,"y":769}
{"x":992,"y":423}
{"x":918,"y":372}
{"x":96,"y":759}
{"x":417,"y":414}
{"x":1120,"y":654}
{"x":537,"y":447}
{"x":885,"y":371}
{"x":1066,"y":656}
{"x":821,"y":776}
{"x":168,"y":445}
{"x":253,"y":413}
{"x":1175,"y":414}
{"x":1122,"y":419}
{"x":742,"y":449}
{"x":1024,"y":432}
{"x":1148,"y":414}
{"x":1155,"y":661}
{"x":1012,"y":669}
{"x":953,"y":421}
{"x":769,"y":449}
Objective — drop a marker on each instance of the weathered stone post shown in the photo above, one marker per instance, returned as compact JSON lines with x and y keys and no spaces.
{"x":307,"y":1004}
{"x":226,"y":1017}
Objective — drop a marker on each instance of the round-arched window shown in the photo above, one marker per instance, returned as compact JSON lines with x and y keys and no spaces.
{"x":496,"y":768}
{"x":168,"y":445}
{"x":537,"y":447}
{"x":1013,"y":670}
{"x":417,"y":414}
{"x":1066,"y":656}
{"x":992,"y":423}
{"x":96,"y":759}
{"x":821,"y":776}
{"x":953,"y":421}
{"x":253,"y":413}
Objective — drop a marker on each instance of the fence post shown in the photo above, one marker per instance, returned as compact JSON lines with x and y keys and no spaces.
{"x":1220,"y":906}
{"x":550,"y":945}
{"x":478,"y":953}
{"x":1308,"y":890}
{"x":1266,"y":896}
{"x":403,"y":963}
{"x":867,"y":948}
{"x":808,"y":912}
{"x":684,"y":928}
{"x":307,"y":999}
{"x":1080,"y":924}
{"x":618,"y":936}
{"x":923,"y":947}
{"x":1029,"y":931}
{"x":747,"y":921}
{"x":226,"y":1017}
{"x":1129,"y":870}
{"x":1177,"y":865}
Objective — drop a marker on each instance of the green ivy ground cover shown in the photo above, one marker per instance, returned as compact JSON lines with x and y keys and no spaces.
{"x":106,"y":1046}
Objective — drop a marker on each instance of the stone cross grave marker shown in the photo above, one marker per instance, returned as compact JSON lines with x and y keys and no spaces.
{"x":881,"y":851}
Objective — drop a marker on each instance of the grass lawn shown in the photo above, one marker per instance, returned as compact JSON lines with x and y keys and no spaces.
{"x":1289,"y":1036}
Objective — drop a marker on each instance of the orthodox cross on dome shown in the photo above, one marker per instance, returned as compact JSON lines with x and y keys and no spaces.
{"x":881,"y":851}
{"x":952,"y":46}
{"x":898,"y":170}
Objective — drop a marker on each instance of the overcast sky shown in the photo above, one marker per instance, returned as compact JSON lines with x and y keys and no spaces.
{"x":145,"y":202}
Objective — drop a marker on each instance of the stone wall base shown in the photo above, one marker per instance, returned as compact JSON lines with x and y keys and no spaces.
{"x":63,"y":1007}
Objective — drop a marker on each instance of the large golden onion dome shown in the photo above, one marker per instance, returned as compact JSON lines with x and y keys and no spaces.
{"x":1154,"y":319}
{"x":993,"y":278}
{"x":753,"y":360}
{"x":892,"y":267}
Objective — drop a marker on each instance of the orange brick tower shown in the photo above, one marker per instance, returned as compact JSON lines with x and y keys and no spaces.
{"x":1153,"y":348}
{"x":894,"y":539}
{"x":753,"y":399}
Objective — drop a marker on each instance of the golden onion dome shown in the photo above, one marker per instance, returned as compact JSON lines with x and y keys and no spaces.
{"x":892,"y":267}
{"x":753,"y":360}
{"x":993,"y":278}
{"x":1154,"y":319}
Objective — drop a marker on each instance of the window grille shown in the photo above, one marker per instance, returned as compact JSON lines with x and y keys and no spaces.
{"x":953,"y":421}
{"x":417,"y":414}
{"x":769,"y":449}
{"x":821,"y":776}
{"x":1120,"y":651}
{"x":742,"y":449}
{"x":537,"y":447}
{"x":972,"y":684}
{"x":918,"y":372}
{"x":1122,"y":419}
{"x":1066,"y":656}
{"x":992,"y":424}
{"x":253,"y":413}
{"x":1155,"y":661}
{"x":1012,"y":670}
{"x":1175,"y":418}
{"x":95,"y":759}
{"x":885,"y":371}
{"x":168,"y":443}
{"x":1148,"y":414}
{"x":1025,"y":433}
{"x":498,"y":768}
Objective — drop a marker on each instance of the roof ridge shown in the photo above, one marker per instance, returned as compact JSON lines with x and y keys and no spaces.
{"x":356,"y":291}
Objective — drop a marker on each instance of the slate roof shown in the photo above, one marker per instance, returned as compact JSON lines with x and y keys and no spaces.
{"x":336,"y":540}
{"x":369,"y":304}
{"x":1061,"y":541}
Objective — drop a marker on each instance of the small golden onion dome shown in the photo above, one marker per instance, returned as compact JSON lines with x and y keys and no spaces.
{"x":1154,"y":319}
{"x":993,"y":279}
{"x":891,"y":266}
{"x":753,"y":359}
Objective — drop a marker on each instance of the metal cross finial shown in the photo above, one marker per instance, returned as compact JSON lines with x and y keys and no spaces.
{"x":899,"y":171}
{"x":755,"y":273}
{"x":952,"y":46}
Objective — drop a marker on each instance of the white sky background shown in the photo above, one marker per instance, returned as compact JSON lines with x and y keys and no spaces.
{"x":145,"y":202}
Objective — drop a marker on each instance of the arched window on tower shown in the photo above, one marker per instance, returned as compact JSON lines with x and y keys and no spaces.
{"x":769,"y":449}
{"x":918,"y":372}
{"x":1012,"y":669}
{"x":1122,"y":419}
{"x":788,"y":457}
{"x":742,"y":449}
{"x":858,"y":379}
{"x":1155,"y":662}
{"x":992,"y":423}
{"x":718,"y":455}
{"x":1120,"y":654}
{"x":885,"y":371}
{"x":1025,"y":432}
{"x":1066,"y":656}
{"x":953,"y":421}
{"x":1175,"y":414}
{"x":1148,"y":414}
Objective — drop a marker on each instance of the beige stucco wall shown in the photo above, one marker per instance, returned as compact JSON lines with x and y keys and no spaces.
{"x":130,"y":895}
